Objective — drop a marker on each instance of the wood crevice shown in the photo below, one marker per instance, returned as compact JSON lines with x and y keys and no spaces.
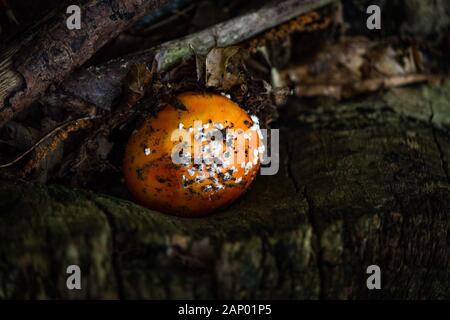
{"x":444,"y":163}
{"x":115,"y":261}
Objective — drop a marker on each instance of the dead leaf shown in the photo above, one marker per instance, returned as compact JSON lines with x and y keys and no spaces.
{"x":138,"y":78}
{"x":386,"y":62}
{"x":224,"y":67}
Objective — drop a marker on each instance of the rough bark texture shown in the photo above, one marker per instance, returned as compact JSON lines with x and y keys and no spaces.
{"x":48,"y":56}
{"x":361,"y":183}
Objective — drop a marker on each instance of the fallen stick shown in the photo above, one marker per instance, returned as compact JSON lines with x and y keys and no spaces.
{"x":101,"y":85}
{"x":29,"y":67}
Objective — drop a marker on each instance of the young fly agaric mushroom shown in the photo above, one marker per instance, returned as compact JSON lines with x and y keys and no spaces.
{"x":194,"y":161}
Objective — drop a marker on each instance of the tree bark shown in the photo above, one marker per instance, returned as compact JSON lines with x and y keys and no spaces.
{"x":47,"y":57}
{"x":362,"y":183}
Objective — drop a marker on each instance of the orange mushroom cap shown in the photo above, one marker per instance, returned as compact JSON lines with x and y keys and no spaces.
{"x":192,"y":162}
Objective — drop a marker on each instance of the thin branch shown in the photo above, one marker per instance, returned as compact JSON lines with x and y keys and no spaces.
{"x":45,"y":137}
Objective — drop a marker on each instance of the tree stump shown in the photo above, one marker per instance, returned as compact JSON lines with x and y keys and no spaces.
{"x":360,"y":183}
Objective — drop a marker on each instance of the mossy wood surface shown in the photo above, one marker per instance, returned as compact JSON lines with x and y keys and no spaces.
{"x":360,"y":183}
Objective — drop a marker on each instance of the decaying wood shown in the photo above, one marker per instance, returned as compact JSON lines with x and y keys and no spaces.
{"x":135,"y":85}
{"x":28,"y":68}
{"x":362,"y":183}
{"x":101,"y":85}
